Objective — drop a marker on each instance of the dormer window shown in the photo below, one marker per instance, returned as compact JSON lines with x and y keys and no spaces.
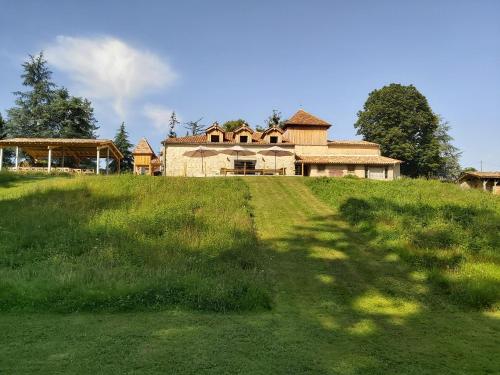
{"x":244,"y":138}
{"x":273,"y":139}
{"x":214,"y":138}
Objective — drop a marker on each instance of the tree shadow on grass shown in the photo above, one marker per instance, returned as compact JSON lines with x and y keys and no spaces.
{"x":370,"y":309}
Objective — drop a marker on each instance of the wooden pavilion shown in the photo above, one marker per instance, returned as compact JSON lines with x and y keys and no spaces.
{"x":62,"y":148}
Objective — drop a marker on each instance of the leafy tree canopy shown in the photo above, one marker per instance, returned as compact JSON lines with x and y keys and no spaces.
{"x":449,"y":166}
{"x":400,"y":119}
{"x":2,"y":127}
{"x":45,"y":110}
{"x":123,"y":144}
{"x":231,"y":125}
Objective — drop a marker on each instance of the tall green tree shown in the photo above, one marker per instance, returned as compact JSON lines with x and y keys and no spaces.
{"x":123,"y":144}
{"x":231,"y":125}
{"x":7,"y":154}
{"x":172,"y":124}
{"x":449,"y":167}
{"x":73,"y":117}
{"x":46,"y":110}
{"x":30,"y":117}
{"x":400,"y":119}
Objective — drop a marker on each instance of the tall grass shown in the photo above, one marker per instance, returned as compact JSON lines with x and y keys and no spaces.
{"x":451,"y":234}
{"x":128,"y":243}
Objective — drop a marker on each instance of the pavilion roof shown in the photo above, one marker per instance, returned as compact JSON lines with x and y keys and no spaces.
{"x":76,"y":147}
{"x":302,"y":117}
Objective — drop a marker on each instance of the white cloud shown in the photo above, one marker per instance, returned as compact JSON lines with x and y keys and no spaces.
{"x":159,"y":116}
{"x":106,"y":68}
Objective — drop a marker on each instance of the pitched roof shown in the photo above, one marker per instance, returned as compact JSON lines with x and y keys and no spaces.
{"x":243,"y":127}
{"x":302,"y":117}
{"x":482,"y":174}
{"x":273,"y":129}
{"x":368,"y":160}
{"x":143,"y":147}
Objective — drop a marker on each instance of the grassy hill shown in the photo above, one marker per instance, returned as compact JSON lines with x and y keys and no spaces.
{"x":126,"y":243}
{"x":271,"y":275}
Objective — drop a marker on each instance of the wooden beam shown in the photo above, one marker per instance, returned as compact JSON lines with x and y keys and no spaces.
{"x":49,"y":163}
{"x":1,"y":158}
{"x":97,"y":160}
{"x":17,"y":158}
{"x":107,"y":161}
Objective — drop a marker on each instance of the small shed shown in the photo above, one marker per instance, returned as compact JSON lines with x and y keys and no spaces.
{"x":487,"y":181}
{"x":145,"y":160}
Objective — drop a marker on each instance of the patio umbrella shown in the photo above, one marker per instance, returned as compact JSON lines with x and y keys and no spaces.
{"x":203,"y":152}
{"x":238,"y":150}
{"x":275,"y":150}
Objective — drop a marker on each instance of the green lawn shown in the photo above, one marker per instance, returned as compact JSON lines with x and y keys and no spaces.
{"x":343,"y":300}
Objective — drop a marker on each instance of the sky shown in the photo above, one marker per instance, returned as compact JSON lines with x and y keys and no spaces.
{"x":138,"y":61}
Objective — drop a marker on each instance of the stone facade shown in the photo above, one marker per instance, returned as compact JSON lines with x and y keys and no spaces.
{"x":184,"y":160}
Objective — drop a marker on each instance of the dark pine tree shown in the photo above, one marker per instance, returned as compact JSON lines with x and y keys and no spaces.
{"x":172,"y":124}
{"x":123,"y":144}
{"x":47,"y":111}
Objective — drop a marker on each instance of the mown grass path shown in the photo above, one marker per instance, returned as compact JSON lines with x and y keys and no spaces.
{"x":340,"y":307}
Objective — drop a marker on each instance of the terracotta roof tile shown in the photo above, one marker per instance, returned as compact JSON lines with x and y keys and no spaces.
{"x":368,"y":159}
{"x":304,"y":118}
{"x":257,"y":137}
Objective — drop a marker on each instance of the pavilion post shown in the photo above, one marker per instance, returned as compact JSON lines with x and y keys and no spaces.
{"x":302,"y":168}
{"x":62,"y":162}
{"x":107,"y":161}
{"x":97,"y":161}
{"x":1,"y":158}
{"x":49,"y":162}
{"x":17,"y":158}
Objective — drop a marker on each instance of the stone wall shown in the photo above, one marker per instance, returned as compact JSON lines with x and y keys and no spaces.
{"x":217,"y":157}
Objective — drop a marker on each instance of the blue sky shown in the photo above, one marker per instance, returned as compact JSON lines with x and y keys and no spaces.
{"x":220,"y":60}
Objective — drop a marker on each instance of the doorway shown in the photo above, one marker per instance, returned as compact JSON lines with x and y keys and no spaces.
{"x":245,"y":166}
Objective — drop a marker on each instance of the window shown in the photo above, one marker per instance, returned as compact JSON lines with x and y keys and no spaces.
{"x":386,"y":172}
{"x":321,"y":167}
{"x":273,"y":139}
{"x":214,"y":138}
{"x":243,"y":138}
{"x":351,"y":168}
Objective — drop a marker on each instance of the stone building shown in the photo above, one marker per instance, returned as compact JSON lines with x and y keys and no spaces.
{"x":300,"y":148}
{"x":487,"y":181}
